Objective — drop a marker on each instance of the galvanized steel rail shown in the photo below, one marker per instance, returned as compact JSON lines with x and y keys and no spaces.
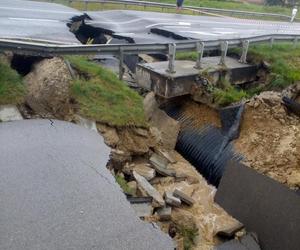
{"x":44,"y":49}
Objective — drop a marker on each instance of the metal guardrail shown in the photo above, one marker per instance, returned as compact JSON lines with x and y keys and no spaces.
{"x":40,"y":49}
{"x":192,"y":8}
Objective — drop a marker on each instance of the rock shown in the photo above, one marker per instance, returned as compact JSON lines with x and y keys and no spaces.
{"x":133,"y":186}
{"x":133,"y":143}
{"x":89,"y":124}
{"x":119,"y":158}
{"x":9,"y":113}
{"x":168,"y":127}
{"x":180,"y":244}
{"x":230,"y":230}
{"x":159,"y":160}
{"x":147,"y":172}
{"x":166,"y":155}
{"x":294,"y":179}
{"x":48,"y":88}
{"x":150,"y":105}
{"x":164,"y":213}
{"x":183,"y":197}
{"x":109,"y":134}
{"x":149,"y":189}
{"x":160,"y":165}
{"x":172,"y":200}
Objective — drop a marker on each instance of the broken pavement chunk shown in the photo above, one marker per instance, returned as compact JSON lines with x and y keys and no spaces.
{"x":160,"y":164}
{"x":147,"y":172}
{"x":183,"y":197}
{"x":164,"y":213}
{"x":149,"y":189}
{"x":172,"y":200}
{"x":142,"y":206}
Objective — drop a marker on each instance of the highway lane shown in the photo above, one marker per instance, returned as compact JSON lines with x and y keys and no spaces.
{"x":141,"y":26}
{"x":36,"y":21}
{"x":46,"y":21}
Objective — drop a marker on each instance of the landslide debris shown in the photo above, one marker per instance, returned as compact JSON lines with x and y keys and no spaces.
{"x":48,"y":87}
{"x":270,"y":139}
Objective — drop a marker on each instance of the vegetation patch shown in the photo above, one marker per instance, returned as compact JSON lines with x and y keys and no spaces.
{"x":123,"y":184}
{"x":228,"y":94}
{"x":101,"y":96}
{"x":12,"y":91}
{"x":189,"y":235}
{"x":284,"y":59}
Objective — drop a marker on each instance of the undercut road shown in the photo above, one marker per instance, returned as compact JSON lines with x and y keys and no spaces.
{"x":47,"y":21}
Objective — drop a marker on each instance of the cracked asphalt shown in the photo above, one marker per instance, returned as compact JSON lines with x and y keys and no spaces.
{"x":56,"y":193}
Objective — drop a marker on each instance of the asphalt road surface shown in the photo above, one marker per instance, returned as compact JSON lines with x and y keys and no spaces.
{"x":56,"y":193}
{"x":47,"y":21}
{"x":141,"y":25}
{"x":36,"y":21}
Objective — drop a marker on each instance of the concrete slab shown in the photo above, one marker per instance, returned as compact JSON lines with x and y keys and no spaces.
{"x":263,"y":205}
{"x":154,"y":76}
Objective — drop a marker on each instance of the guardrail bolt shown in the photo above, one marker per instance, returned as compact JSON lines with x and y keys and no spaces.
{"x":245,"y":47}
{"x":200,"y":51}
{"x":224,"y":49}
{"x":172,"y":56}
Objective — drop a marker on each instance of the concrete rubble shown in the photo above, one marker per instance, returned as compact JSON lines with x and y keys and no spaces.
{"x":9,"y":113}
{"x":172,"y":200}
{"x":149,"y":189}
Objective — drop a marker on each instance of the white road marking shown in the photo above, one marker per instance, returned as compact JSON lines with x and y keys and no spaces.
{"x":39,"y":10}
{"x":33,"y":19}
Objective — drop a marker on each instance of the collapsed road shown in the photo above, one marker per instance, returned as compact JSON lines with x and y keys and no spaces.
{"x":56,"y":192}
{"x":33,"y":20}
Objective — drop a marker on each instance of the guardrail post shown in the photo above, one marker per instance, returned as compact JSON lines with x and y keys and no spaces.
{"x":86,"y":5}
{"x":271,"y":42}
{"x":295,"y":42}
{"x":121,"y":64}
{"x":224,"y":48}
{"x":172,"y":56}
{"x":200,"y":50}
{"x":245,"y":47}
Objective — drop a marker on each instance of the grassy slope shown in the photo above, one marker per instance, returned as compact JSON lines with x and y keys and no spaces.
{"x":12,"y":90}
{"x":102,"y":97}
{"x":285,"y":63}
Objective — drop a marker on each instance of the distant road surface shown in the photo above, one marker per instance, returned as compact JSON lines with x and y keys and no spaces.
{"x":47,"y":21}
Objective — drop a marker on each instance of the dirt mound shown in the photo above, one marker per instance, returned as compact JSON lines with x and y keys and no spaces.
{"x":270,"y":139}
{"x":48,"y":88}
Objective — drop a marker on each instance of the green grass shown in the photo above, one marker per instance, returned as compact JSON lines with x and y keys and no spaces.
{"x":189,"y":235}
{"x":228,"y":94}
{"x":101,"y":96}
{"x":12,"y":91}
{"x":123,"y":184}
{"x":284,"y":60}
{"x":236,"y":5}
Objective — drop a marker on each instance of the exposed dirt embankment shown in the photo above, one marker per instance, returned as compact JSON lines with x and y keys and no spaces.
{"x":270,"y":139}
